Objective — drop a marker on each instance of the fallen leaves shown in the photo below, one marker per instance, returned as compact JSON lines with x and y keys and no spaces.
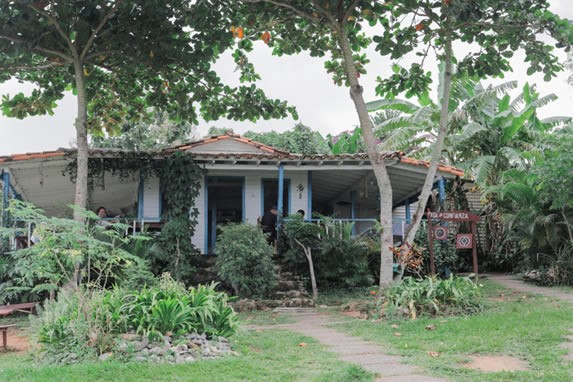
{"x":431,"y":327}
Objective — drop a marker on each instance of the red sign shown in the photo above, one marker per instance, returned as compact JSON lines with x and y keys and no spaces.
{"x":441,"y":233}
{"x":454,"y":216}
{"x":464,"y":241}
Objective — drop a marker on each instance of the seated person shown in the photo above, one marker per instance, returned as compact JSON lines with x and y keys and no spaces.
{"x":103,"y":220}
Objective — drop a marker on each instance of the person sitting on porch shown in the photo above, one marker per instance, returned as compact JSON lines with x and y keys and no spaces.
{"x":102,"y":216}
{"x":269,"y":224}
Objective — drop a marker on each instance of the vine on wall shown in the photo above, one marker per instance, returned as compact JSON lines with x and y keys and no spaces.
{"x":180,"y":180}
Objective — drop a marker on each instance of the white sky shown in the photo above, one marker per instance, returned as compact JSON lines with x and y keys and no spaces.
{"x":300,"y":80}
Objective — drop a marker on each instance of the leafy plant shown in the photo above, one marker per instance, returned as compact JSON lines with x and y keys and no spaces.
{"x":245,"y":260}
{"x":43,"y":268}
{"x":433,"y":296}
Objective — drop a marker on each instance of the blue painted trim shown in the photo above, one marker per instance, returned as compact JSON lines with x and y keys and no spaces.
{"x":281,"y":191}
{"x":353,"y":209}
{"x":214,"y":218}
{"x":140,"y":196}
{"x":309,"y":188}
{"x":160,"y":199}
{"x":408,"y":212}
{"x":213,"y":212}
{"x":244,"y":217}
{"x":442,"y":189}
{"x":206,"y":211}
{"x":262,"y":197}
{"x":5,"y":197}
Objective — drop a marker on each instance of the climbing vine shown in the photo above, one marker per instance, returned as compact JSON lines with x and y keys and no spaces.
{"x":180,"y":180}
{"x":180,"y":186}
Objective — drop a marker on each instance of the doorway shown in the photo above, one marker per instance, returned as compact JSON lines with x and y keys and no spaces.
{"x":270,"y":191}
{"x":225,"y":204}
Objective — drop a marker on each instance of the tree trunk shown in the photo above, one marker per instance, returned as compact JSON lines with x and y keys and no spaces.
{"x":81,"y":196}
{"x":378,"y":165}
{"x":308,"y":253}
{"x":438,"y":145}
{"x":312,"y":277}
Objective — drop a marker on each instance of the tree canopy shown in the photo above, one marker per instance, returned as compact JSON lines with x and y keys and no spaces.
{"x":120,"y":57}
{"x":342,"y":29}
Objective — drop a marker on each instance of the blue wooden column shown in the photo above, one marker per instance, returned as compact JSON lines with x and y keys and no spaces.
{"x":5,"y":197}
{"x":281,"y":191}
{"x":280,"y":201}
{"x":309,"y":188}
{"x":408,"y":212}
{"x":442,"y":191}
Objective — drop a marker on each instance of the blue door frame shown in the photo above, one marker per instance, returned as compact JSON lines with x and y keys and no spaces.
{"x":213,"y":227}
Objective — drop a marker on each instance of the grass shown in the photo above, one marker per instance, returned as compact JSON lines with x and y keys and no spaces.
{"x":264,"y":356}
{"x":264,"y":318}
{"x":530,"y":328}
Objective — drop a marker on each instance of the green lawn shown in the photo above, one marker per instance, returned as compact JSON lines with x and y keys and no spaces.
{"x":529,"y":328}
{"x":264,"y":356}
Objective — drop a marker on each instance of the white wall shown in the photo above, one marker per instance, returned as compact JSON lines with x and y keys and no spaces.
{"x":151,"y":199}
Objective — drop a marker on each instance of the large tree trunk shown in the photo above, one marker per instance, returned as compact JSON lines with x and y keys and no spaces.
{"x":81,"y":197}
{"x":378,"y":165}
{"x":438,"y":145}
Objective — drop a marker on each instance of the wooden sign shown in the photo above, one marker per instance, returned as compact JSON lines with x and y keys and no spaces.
{"x":464,"y":241}
{"x":454,"y":216}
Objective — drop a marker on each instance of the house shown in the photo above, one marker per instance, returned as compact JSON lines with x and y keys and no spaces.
{"x":244,"y":178}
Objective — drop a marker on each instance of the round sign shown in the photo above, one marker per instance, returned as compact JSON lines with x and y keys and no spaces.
{"x":441,"y":233}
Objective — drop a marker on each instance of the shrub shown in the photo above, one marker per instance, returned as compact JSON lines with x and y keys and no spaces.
{"x":170,"y":309}
{"x":78,"y":325}
{"x":244,"y":260}
{"x":555,"y":270}
{"x":434,"y":296}
{"x":342,"y":260}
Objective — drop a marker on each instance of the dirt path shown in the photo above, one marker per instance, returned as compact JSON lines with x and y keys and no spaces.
{"x":521,"y":286}
{"x":368,"y":355}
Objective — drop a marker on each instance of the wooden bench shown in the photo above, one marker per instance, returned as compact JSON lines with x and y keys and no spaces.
{"x":28,"y":307}
{"x":4,"y":330}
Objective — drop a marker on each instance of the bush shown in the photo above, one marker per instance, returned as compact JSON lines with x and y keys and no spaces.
{"x":340,"y":260}
{"x":434,"y":296}
{"x":244,"y":260}
{"x":555,"y":270}
{"x":83,"y":324}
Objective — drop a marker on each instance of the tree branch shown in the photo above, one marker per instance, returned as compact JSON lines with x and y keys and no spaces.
{"x":283,"y":5}
{"x":32,"y":68}
{"x":35,"y":48}
{"x":103,"y":22}
{"x":57,"y":25}
{"x":349,"y":10}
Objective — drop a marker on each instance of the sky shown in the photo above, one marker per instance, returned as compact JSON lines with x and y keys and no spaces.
{"x":300,"y":80}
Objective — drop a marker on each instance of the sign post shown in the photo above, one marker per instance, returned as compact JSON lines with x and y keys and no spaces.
{"x":462,"y":242}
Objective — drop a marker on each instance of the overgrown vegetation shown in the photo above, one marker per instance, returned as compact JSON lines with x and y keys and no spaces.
{"x":433,"y":296}
{"x":86,"y":323}
{"x":338,"y":258}
{"x":245,"y":260}
{"x":41,"y":270}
